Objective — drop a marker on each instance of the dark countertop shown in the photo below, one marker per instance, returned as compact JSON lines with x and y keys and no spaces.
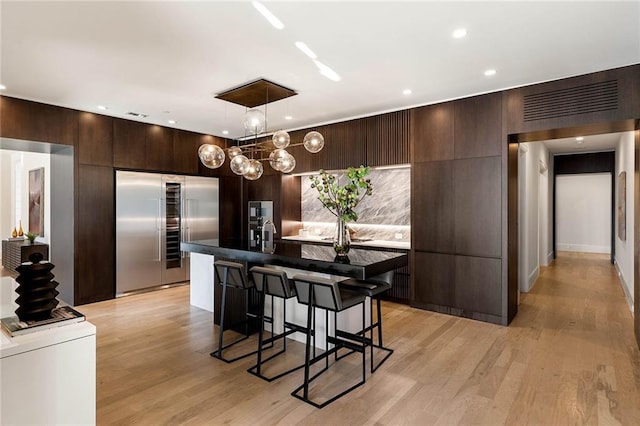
{"x":363,"y":263}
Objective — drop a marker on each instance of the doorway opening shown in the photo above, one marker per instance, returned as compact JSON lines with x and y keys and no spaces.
{"x":572,"y":197}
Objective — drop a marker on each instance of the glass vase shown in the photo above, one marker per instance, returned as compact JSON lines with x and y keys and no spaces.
{"x":341,"y":238}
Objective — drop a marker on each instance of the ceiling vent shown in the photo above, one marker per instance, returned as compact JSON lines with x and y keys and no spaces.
{"x":137,"y":114}
{"x":589,"y":98}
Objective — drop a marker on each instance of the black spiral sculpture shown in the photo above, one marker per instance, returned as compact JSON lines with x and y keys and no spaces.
{"x":37,"y":291}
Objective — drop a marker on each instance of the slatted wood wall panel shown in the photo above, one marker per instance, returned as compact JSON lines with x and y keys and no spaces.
{"x":388,"y":139}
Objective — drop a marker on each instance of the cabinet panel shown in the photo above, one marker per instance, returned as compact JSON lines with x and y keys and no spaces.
{"x":344,"y":146}
{"x":33,"y":121}
{"x":232,"y":224}
{"x":433,"y":278}
{"x":95,"y":235}
{"x":387,"y":139}
{"x":432,"y":132}
{"x":159,"y":148}
{"x":433,"y":206}
{"x":185,"y":152}
{"x":477,"y":184}
{"x":129,"y":144}
{"x":478,"y":126}
{"x":478,"y":287}
{"x":95,"y":139}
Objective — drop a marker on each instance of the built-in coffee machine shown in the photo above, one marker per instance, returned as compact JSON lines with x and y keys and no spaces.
{"x":261,"y":226}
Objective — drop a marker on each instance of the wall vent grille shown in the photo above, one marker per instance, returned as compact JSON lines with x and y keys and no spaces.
{"x":596,"y":97}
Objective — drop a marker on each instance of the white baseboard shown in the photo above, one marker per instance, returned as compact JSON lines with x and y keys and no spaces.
{"x":584,"y":248}
{"x":533,"y":276}
{"x":623,"y":283}
{"x":549,"y":258}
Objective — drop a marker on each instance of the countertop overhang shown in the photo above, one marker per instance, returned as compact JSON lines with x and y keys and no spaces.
{"x":363,"y":263}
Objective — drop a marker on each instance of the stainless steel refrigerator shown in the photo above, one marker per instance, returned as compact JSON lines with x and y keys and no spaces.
{"x":154,"y":213}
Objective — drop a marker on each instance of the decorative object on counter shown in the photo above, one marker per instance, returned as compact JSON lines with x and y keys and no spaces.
{"x":341,"y":201}
{"x":62,"y":315}
{"x":31,"y":236}
{"x":20,"y":231}
{"x":14,"y":234}
{"x":245,"y":158}
{"x":37,"y":291}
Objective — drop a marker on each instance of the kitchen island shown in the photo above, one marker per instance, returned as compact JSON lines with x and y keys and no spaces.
{"x":294,"y":257}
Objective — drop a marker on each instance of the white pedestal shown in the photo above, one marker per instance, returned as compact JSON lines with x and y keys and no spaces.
{"x":201,"y":285}
{"x":48,"y":376}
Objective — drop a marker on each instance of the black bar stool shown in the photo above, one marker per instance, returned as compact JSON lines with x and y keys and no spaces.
{"x":318,"y":292}
{"x":231,"y":274}
{"x":373,"y":288}
{"x":274,"y":283}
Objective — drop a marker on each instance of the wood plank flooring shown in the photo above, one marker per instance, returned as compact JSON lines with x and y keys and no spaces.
{"x":569,"y":358}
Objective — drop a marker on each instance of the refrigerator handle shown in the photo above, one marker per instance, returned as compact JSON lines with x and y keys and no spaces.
{"x":159,"y":228}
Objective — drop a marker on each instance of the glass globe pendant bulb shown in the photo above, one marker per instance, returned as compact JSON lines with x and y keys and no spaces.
{"x":239,"y":164}
{"x":313,"y":142}
{"x":212,"y":156}
{"x":287,"y":163}
{"x":254,"y":171}
{"x":254,"y":121}
{"x":233,"y":151}
{"x":275,"y":158}
{"x":281,"y":139}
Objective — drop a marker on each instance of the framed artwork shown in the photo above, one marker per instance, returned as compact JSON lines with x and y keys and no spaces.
{"x":36,"y":201}
{"x":622,"y":206}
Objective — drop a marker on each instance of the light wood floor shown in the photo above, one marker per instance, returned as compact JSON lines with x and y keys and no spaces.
{"x":568,"y":358}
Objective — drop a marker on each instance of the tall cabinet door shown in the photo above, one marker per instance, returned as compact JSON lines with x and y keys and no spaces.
{"x":138,"y":231}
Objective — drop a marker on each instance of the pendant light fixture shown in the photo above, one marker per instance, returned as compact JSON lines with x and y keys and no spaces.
{"x":245,"y":158}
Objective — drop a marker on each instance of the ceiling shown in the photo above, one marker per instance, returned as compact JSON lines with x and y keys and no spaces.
{"x":593,"y":143}
{"x":167,"y":60}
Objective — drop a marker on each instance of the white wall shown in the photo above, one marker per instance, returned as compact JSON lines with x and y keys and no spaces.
{"x":583,"y":212}
{"x":624,"y":249}
{"x":534,"y":212}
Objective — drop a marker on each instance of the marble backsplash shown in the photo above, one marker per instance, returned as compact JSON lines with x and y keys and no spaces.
{"x":385,"y":215}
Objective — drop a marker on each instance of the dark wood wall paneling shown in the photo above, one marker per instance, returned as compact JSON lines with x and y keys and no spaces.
{"x":456,"y":207}
{"x":636,"y":237}
{"x":95,"y":140}
{"x":388,"y":139}
{"x":33,"y":121}
{"x":95,"y":234}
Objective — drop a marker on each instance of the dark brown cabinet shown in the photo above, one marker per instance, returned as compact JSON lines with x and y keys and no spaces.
{"x":95,"y":139}
{"x":159,"y":148}
{"x":478,"y":208}
{"x":16,"y":252}
{"x":432,"y":132}
{"x":185,"y":152}
{"x":478,"y":126}
{"x":478,"y":287}
{"x":434,"y":280}
{"x":433,"y":206}
{"x":129,"y":150}
{"x":95,"y":235}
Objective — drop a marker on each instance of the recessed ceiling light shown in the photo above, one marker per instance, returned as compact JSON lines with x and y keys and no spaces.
{"x":171,"y":121}
{"x":407,"y":92}
{"x":102,"y":107}
{"x":580,"y":138}
{"x":273,"y":20}
{"x":2,"y":87}
{"x":288,"y":117}
{"x":327,"y":72}
{"x":460,"y":33}
{"x":305,"y":49}
{"x":225,"y":132}
{"x":489,"y":73}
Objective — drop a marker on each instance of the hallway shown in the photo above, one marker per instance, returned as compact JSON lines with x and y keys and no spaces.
{"x":568,"y":358}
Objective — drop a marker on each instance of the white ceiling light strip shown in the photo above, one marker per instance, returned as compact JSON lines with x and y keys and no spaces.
{"x":273,"y":19}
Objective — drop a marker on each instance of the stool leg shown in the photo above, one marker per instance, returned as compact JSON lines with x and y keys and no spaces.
{"x":223,"y":306}
{"x":307,"y":358}
{"x":262,"y":297}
